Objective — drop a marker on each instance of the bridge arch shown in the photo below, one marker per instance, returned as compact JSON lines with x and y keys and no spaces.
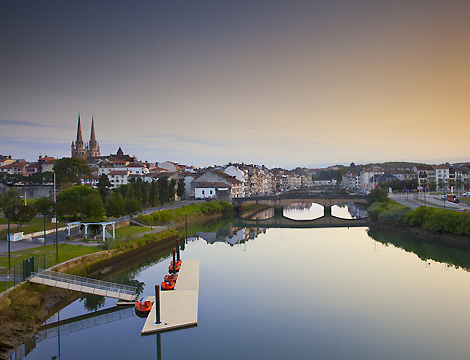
{"x":279,"y":201}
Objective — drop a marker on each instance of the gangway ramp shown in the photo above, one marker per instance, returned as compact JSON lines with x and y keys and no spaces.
{"x":84,"y":285}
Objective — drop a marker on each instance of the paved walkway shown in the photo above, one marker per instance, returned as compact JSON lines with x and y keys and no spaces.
{"x":414,"y":200}
{"x":50,"y":238}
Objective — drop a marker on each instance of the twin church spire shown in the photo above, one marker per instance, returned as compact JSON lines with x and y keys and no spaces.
{"x":82,"y":150}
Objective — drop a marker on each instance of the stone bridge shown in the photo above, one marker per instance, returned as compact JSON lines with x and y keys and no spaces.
{"x":279,"y":221}
{"x":279,"y":201}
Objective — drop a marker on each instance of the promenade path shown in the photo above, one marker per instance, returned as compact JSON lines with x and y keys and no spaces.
{"x":414,"y":200}
{"x":50,"y":238}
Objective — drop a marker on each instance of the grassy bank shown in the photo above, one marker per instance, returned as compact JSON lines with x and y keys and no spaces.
{"x":66,"y":252}
{"x":390,"y":213}
{"x":35,"y":225}
{"x":198,"y":210}
{"x":24,"y":308}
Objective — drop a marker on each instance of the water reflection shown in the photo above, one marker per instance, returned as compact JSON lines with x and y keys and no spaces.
{"x":349,"y":211}
{"x":263,"y":215}
{"x":230,"y":235}
{"x":303,"y":211}
{"x":349,"y":302}
{"x":449,"y":254}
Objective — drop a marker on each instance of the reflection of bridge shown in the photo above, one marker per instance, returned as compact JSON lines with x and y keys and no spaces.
{"x":279,"y":201}
{"x":280,"y":221}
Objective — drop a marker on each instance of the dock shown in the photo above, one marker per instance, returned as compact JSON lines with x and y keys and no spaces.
{"x":178,"y":307}
{"x":83,"y":284}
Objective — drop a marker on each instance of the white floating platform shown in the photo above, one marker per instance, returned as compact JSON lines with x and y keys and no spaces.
{"x":178,"y":307}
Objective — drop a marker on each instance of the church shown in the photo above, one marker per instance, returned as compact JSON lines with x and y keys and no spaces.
{"x":82,"y":150}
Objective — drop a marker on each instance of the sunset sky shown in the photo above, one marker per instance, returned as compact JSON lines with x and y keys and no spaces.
{"x":280,"y":83}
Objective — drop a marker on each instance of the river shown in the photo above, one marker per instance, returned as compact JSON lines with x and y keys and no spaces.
{"x":326,"y":293}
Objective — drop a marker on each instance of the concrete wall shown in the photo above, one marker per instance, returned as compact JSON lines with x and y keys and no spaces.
{"x":32,"y":191}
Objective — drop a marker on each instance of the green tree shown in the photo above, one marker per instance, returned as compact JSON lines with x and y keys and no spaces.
{"x":23,"y":214}
{"x":172,"y":189}
{"x":153,"y":193}
{"x":103,"y":186}
{"x":10,"y":203}
{"x":46,"y":208}
{"x":131,"y":207}
{"x":67,"y":209}
{"x":180,"y":191}
{"x":432,"y":185}
{"x":339,"y":174}
{"x":70,"y":170}
{"x":115,"y":206}
{"x":92,"y":207}
{"x":442,"y":185}
{"x":163,"y":189}
{"x":377,"y":195}
{"x":10,"y":200}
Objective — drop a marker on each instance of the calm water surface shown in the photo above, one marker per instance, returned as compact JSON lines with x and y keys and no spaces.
{"x":331,"y":293}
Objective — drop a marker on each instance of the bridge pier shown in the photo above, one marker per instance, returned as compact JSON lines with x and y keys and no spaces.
{"x":278,"y":211}
{"x":327,"y":210}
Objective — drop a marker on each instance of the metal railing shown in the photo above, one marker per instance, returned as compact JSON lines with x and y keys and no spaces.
{"x":85,"y":282}
{"x":9,"y":278}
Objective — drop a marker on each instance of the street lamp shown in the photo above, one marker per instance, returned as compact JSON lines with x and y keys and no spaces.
{"x":8,"y":217}
{"x":8,"y":239}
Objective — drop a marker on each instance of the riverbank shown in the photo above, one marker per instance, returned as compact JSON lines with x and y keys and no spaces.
{"x":27,"y":306}
{"x":445,"y":225}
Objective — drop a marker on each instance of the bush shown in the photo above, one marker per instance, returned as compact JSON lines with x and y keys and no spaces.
{"x":388,"y":212}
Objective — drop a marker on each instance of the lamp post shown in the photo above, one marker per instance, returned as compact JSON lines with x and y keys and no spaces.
{"x":56,"y":239}
{"x":8,"y":239}
{"x":56,"y":233}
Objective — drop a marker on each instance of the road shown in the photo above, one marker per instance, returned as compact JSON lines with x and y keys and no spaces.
{"x":50,"y":238}
{"x":415,"y":200}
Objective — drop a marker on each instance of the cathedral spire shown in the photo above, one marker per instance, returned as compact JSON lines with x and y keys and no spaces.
{"x":79,"y":132}
{"x":92,"y":136}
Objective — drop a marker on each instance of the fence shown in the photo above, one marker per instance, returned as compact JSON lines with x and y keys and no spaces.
{"x":9,"y":278}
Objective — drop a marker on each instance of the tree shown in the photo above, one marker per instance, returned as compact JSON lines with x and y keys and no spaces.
{"x":180,"y":190}
{"x":92,"y":207}
{"x":377,"y":195}
{"x":432,"y":185}
{"x":442,"y":184}
{"x":45,"y":206}
{"x":131,"y":207}
{"x":10,"y":201}
{"x":339,"y":174}
{"x":115,"y":205}
{"x":67,"y":209}
{"x":163,"y":190}
{"x":172,"y":189}
{"x":103,"y":186}
{"x":153,"y":193}
{"x":23,"y":214}
{"x":70,"y":170}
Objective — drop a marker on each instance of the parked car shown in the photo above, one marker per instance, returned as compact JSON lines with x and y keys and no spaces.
{"x":466,"y":194}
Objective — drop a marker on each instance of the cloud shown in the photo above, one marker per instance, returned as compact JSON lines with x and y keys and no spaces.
{"x":22,"y":123}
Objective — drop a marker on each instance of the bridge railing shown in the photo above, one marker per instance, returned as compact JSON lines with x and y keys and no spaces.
{"x":85,"y":282}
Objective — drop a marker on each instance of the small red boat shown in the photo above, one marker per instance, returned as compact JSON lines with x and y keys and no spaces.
{"x":166,"y":285}
{"x":178,"y":263}
{"x":174,"y":268}
{"x":143,"y":306}
{"x":171,"y":278}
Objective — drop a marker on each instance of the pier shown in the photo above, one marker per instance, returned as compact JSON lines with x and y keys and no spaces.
{"x":178,"y":307}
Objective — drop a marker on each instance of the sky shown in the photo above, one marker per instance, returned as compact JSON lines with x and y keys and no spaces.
{"x":279,"y":83}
